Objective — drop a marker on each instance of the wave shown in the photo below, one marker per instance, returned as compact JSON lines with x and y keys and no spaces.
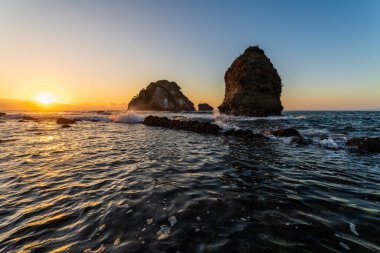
{"x":129,"y":117}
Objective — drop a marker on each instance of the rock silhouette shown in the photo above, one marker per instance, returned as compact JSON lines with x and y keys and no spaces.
{"x":205,"y":107}
{"x":2,"y":114}
{"x":161,"y":96}
{"x":366,"y":144}
{"x":253,"y":86}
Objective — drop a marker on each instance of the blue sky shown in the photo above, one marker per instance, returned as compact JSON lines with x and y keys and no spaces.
{"x":327,"y":52}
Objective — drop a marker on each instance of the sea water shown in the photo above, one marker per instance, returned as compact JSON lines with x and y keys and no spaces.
{"x":111,"y":184}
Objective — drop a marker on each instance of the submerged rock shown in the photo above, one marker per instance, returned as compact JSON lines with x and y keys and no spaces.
{"x":205,"y":107}
{"x":64,"y":121}
{"x":2,"y":114}
{"x":253,"y":86}
{"x":161,"y":96}
{"x":290,"y":132}
{"x":65,"y":126}
{"x":286,"y":132}
{"x":366,"y":144}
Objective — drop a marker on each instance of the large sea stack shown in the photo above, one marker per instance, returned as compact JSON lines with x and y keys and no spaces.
{"x":253,"y":86}
{"x":161,"y":96}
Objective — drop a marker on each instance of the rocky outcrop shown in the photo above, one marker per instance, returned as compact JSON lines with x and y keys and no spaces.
{"x":290,"y":132}
{"x":188,"y":125}
{"x":205,"y":107}
{"x":199,"y":127}
{"x":253,"y":86}
{"x":2,"y":114}
{"x":64,"y":121}
{"x":161,"y":96}
{"x":366,"y":144}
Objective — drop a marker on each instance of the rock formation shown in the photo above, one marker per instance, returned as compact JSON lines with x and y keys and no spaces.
{"x":205,"y":107}
{"x":366,"y":144}
{"x":199,"y":127}
{"x":161,"y":96}
{"x":253,"y":86}
{"x":2,"y":114}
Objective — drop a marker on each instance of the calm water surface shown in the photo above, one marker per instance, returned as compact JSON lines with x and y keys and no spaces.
{"x":111,"y":186}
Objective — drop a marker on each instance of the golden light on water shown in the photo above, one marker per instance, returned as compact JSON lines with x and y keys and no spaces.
{"x":46,"y":98}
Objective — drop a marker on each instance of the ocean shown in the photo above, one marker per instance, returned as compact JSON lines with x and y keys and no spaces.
{"x":111,"y":184}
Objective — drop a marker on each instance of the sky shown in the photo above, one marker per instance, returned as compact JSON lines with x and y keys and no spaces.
{"x":92,"y":52}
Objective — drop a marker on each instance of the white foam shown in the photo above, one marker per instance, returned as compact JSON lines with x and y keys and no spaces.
{"x":353,"y":229}
{"x":329,"y":143}
{"x":92,"y":118}
{"x":226,"y":126}
{"x":129,"y":117}
{"x":286,"y":140}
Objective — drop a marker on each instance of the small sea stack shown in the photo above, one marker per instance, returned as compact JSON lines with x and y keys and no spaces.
{"x":253,"y":86}
{"x":205,"y":107}
{"x":161,"y":96}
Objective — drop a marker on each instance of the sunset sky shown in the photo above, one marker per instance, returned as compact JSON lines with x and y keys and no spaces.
{"x":102,"y":52}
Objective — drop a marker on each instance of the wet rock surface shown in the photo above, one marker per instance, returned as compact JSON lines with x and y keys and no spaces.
{"x":290,"y":132}
{"x":65,"y":126}
{"x":161,"y":96}
{"x":253,"y":86}
{"x":199,"y":127}
{"x":366,"y":144}
{"x":193,"y":126}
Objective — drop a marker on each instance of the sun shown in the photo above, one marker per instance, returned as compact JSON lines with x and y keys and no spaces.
{"x":46,"y":98}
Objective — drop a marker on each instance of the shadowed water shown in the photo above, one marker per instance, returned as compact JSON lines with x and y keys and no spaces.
{"x":115,"y":184}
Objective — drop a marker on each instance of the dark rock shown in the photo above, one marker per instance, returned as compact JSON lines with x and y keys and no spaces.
{"x":2,"y":114}
{"x":290,"y":132}
{"x":253,"y":86}
{"x":64,"y":121}
{"x":199,"y":127}
{"x":161,"y":96}
{"x":287,"y":132}
{"x":366,"y":144}
{"x":193,"y":126}
{"x":22,"y":121}
{"x":28,"y":118}
{"x":205,"y":107}
{"x":65,"y":126}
